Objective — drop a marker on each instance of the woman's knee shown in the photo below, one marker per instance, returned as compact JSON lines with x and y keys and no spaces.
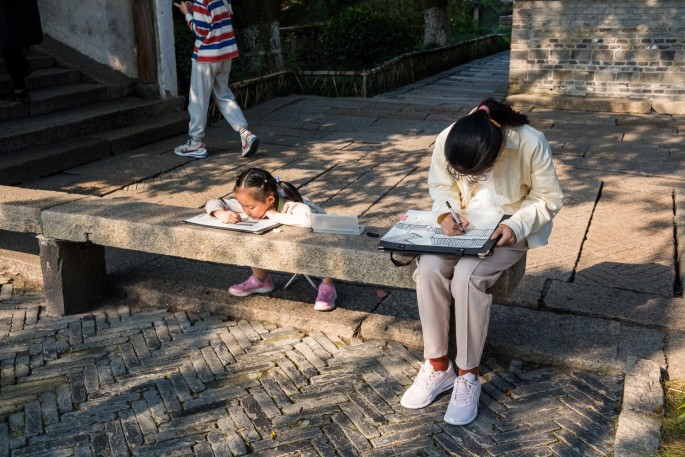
{"x":432,"y":268}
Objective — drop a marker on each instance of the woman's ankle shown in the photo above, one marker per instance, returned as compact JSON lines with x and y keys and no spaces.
{"x":440,"y":363}
{"x":475,"y":371}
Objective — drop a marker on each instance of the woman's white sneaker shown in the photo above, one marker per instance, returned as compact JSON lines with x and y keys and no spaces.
{"x":428,"y":384}
{"x":463,"y":407}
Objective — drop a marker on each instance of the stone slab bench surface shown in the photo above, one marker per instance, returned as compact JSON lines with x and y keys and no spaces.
{"x":20,"y":208}
{"x":159,"y":229}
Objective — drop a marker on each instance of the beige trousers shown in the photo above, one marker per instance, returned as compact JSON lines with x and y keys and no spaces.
{"x":441,"y":278}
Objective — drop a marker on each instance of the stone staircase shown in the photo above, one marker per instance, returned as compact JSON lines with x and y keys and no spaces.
{"x":80,"y":111}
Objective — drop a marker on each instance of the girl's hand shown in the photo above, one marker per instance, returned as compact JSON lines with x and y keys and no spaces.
{"x":184,"y":7}
{"x":451,"y":228}
{"x":508,"y":236}
{"x":226,"y":216}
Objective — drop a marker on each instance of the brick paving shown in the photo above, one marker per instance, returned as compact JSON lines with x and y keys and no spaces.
{"x":111,"y":382}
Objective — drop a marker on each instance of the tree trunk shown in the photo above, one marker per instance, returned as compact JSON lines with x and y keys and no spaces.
{"x":257,"y":31}
{"x":436,"y":22}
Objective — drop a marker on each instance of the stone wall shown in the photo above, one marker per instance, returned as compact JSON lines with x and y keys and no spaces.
{"x":104,"y":31}
{"x":100,"y":29}
{"x":615,"y":49}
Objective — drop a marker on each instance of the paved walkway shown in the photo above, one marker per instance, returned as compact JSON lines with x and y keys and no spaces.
{"x":154,"y":383}
{"x":135,"y":377}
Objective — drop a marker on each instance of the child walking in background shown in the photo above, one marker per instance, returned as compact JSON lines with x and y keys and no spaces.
{"x":215,"y":48}
{"x":261,"y":196}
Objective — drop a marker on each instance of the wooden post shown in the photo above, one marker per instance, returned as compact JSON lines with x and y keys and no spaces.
{"x":144,"y":23}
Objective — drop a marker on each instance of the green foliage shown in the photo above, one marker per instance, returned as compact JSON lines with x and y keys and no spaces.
{"x":465,"y":28}
{"x":673,"y":422}
{"x":298,"y":12}
{"x":360,"y":38}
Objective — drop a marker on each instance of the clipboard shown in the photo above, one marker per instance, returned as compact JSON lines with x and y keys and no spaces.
{"x":419,"y":233}
{"x":256,"y":226}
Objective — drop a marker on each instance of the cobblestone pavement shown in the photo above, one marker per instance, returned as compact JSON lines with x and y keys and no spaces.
{"x":157,"y":382}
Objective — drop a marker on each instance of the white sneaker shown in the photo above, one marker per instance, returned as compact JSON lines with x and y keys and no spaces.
{"x":250,"y":144}
{"x":191,"y":149}
{"x":463,"y":407}
{"x":428,"y":385}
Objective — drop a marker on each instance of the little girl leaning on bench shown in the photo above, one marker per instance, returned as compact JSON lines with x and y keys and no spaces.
{"x":261,"y":196}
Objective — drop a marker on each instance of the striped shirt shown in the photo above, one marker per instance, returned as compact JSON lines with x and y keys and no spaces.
{"x":214,"y":37}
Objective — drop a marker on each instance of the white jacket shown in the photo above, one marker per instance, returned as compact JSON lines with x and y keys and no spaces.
{"x":524,"y":178}
{"x":287,"y":213}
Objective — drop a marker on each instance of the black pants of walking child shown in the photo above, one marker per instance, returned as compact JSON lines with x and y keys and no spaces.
{"x":17,"y":66}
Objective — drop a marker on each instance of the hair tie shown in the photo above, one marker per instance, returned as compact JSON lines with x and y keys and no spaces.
{"x":278,"y":180}
{"x":484,"y":108}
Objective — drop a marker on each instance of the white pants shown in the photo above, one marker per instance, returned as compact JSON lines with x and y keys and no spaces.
{"x":207,"y":79}
{"x":441,"y":278}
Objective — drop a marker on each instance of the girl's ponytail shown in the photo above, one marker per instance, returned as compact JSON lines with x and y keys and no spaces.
{"x":290,"y":192}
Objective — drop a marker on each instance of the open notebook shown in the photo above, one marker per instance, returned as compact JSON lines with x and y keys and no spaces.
{"x":257,"y":226}
{"x":419,"y":233}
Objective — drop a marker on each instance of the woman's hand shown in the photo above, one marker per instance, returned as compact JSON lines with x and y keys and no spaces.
{"x":508,"y":236}
{"x":451,"y":228}
{"x":226,"y":216}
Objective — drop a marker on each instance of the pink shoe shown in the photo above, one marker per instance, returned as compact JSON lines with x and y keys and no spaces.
{"x":325,"y":299}
{"x":253,"y":285}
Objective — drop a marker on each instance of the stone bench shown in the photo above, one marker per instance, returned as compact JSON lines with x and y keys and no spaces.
{"x":73,"y":231}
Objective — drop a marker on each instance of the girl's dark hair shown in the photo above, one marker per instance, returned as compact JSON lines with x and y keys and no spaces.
{"x":475,"y":141}
{"x":264,"y":185}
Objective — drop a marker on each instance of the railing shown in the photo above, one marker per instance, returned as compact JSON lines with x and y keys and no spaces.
{"x":400,"y":71}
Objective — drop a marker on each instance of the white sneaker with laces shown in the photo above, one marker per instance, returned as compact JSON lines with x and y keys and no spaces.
{"x":250,"y":143}
{"x":463,"y":407}
{"x":428,"y":384}
{"x":191,"y":148}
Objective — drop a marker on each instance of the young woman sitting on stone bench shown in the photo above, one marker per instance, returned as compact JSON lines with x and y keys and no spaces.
{"x":494,"y":159}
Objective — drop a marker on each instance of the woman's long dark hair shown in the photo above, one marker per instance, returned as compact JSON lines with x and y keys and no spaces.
{"x":475,"y":141}
{"x":264,"y":185}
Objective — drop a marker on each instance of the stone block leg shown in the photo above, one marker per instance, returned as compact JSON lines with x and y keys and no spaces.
{"x":74,"y":275}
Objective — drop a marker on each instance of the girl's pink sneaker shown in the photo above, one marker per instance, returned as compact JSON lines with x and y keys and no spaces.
{"x":325,"y":299}
{"x":253,"y":285}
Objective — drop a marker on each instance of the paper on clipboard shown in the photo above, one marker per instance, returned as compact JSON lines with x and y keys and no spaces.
{"x":419,"y":232}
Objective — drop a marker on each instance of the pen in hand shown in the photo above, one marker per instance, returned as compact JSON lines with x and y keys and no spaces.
{"x":455,"y":216}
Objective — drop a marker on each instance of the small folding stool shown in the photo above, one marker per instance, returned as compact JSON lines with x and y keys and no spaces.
{"x":294,"y":278}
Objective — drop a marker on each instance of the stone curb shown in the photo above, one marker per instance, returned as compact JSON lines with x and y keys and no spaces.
{"x":638,"y":432}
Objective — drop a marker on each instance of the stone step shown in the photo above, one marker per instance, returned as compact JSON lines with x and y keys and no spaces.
{"x":81,"y":121}
{"x":57,"y":98}
{"x":52,"y":158}
{"x":37,"y":61}
{"x":42,"y":78}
